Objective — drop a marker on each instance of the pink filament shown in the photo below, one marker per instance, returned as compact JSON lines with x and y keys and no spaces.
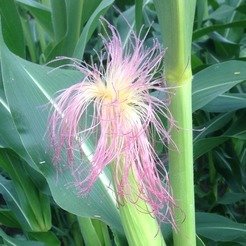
{"x":122,"y":118}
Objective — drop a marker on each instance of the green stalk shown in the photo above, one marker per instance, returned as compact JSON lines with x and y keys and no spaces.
{"x":176,"y":21}
{"x":181,"y":167}
{"x":88,"y":231}
{"x":102,"y":232}
{"x":141,"y":228}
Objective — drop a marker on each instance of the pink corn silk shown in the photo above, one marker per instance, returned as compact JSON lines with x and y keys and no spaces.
{"x":123,"y":117}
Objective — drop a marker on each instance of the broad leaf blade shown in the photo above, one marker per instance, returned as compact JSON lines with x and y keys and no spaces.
{"x":12,"y":29}
{"x":219,"y":228}
{"x":226,"y":103}
{"x":213,"y":125}
{"x":48,"y":238}
{"x":29,"y":87}
{"x":216,"y":80}
{"x":9,"y":135}
{"x":206,"y":30}
{"x":11,"y":198}
{"x":7,"y":218}
{"x":202,"y":146}
{"x":32,"y":201}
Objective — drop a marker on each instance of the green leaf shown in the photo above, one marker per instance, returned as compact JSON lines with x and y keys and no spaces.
{"x":88,"y":232}
{"x":7,"y":218}
{"x":226,"y":103}
{"x":231,"y":197}
{"x":68,"y":30}
{"x":9,"y":136}
{"x":225,"y":48}
{"x":242,"y":8}
{"x":28,"y":88}
{"x":229,"y":168}
{"x":219,"y":228}
{"x":49,"y":238}
{"x":119,"y":239}
{"x":125,"y":25}
{"x":138,"y":14}
{"x":34,"y":4}
{"x":59,"y":21}
{"x":11,"y":26}
{"x":213,"y":125}
{"x":206,"y":30}
{"x":216,"y":80}
{"x":89,"y":7}
{"x":7,"y":127}
{"x":199,"y":241}
{"x":10,"y":196}
{"x":29,"y":28}
{"x":102,"y":232}
{"x":41,"y":13}
{"x":37,"y":206}
{"x":238,"y":129}
{"x":51,"y":52}
{"x":235,"y":34}
{"x":223,"y":12}
{"x":202,"y":146}
{"x":202,"y":11}
{"x":90,"y":27}
{"x":10,"y":241}
{"x":74,"y":15}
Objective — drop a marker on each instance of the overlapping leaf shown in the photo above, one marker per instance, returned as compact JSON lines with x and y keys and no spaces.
{"x":216,"y":80}
{"x":29,"y":90}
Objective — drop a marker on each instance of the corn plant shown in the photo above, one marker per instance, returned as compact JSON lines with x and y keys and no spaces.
{"x":122,"y":122}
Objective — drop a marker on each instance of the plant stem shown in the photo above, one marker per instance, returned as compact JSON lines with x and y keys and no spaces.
{"x":176,"y":22}
{"x":181,"y":166}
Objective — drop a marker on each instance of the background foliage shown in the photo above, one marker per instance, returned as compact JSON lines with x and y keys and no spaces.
{"x":37,"y":205}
